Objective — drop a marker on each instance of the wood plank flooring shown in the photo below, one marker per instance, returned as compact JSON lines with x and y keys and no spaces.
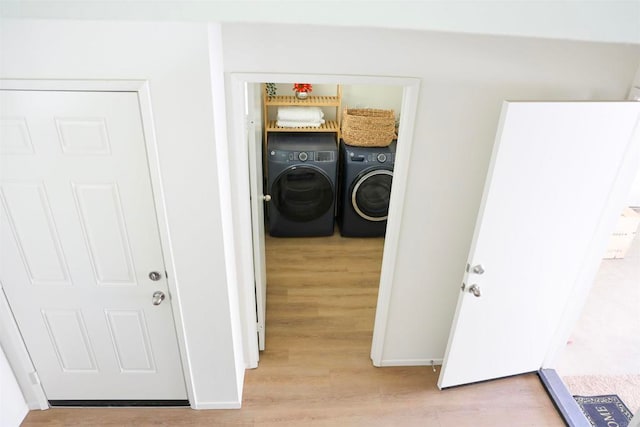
{"x":316,"y":370}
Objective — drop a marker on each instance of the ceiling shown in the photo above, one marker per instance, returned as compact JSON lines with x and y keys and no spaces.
{"x":614,"y":21}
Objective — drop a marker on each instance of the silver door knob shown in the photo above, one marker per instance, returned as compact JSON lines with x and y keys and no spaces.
{"x":266,"y":198}
{"x":158,"y":297}
{"x":475,"y":290}
{"x":478,"y":269}
{"x":155,"y":276}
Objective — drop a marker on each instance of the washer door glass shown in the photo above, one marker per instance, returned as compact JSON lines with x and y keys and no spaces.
{"x":302,"y":193}
{"x":371,"y":193}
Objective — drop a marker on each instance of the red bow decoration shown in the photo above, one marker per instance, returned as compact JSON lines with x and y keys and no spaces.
{"x":302,"y":87}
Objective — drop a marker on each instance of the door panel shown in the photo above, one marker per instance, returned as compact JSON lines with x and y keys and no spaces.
{"x":547,"y":192}
{"x":31,"y":222}
{"x":103,"y":226}
{"x":256,"y":180}
{"x":79,"y":239}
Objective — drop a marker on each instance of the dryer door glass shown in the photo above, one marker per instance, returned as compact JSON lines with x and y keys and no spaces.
{"x":302,"y":193}
{"x":371,"y":193}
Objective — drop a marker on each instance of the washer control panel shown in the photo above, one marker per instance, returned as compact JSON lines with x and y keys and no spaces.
{"x":372,"y":157}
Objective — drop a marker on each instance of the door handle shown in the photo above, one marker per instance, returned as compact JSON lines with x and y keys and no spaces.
{"x":266,"y":198}
{"x":476,"y":269}
{"x":475,"y":290}
{"x":158,"y":297}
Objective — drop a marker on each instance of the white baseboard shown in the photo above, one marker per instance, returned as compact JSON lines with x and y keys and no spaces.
{"x":410,"y":362}
{"x":216,"y":405}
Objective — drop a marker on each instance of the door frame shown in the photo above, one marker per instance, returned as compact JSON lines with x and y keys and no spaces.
{"x":10,"y":338}
{"x":238,"y":150}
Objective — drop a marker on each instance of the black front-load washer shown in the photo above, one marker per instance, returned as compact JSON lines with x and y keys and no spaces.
{"x":365,"y":189}
{"x":302,"y":175}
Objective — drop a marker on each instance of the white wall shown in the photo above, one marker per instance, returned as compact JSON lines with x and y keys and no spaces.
{"x":13,"y":407}
{"x":634,"y":196}
{"x":365,"y":96}
{"x":175,"y":60}
{"x":464,"y":80}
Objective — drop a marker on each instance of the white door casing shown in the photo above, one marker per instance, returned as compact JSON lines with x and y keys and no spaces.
{"x":238,"y":99}
{"x":79,"y":239}
{"x":547,"y":198}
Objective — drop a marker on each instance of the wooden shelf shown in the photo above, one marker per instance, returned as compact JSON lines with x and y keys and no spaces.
{"x":328,"y":126}
{"x":312,"y":101}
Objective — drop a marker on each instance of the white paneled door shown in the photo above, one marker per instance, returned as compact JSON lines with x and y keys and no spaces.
{"x":254,"y":140}
{"x":558,"y":178}
{"x":81,"y":257}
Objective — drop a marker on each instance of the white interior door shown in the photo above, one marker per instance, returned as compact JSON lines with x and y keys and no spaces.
{"x":547,"y":199}
{"x":254,"y":138}
{"x":79,"y":241}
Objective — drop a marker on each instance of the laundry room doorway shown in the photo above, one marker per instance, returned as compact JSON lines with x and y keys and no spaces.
{"x":247,"y":122}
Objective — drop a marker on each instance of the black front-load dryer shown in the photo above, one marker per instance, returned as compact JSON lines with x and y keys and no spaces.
{"x":365,"y":189}
{"x":302,"y":175}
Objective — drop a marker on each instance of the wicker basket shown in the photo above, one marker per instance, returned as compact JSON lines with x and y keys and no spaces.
{"x":368,"y":127}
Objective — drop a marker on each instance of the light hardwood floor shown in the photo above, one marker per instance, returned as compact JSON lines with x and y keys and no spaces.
{"x":316,"y":370}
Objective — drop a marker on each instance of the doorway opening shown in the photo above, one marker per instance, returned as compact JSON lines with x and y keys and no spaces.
{"x":602,"y":356}
{"x":323,"y":260}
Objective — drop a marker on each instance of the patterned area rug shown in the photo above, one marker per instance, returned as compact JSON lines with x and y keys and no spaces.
{"x":626,"y":387}
{"x":604,"y":411}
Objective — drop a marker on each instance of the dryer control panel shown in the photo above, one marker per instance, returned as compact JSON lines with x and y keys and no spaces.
{"x":284,"y":156}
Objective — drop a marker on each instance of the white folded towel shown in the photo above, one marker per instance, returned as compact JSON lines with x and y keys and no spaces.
{"x":299,"y":124}
{"x":301,"y":114}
